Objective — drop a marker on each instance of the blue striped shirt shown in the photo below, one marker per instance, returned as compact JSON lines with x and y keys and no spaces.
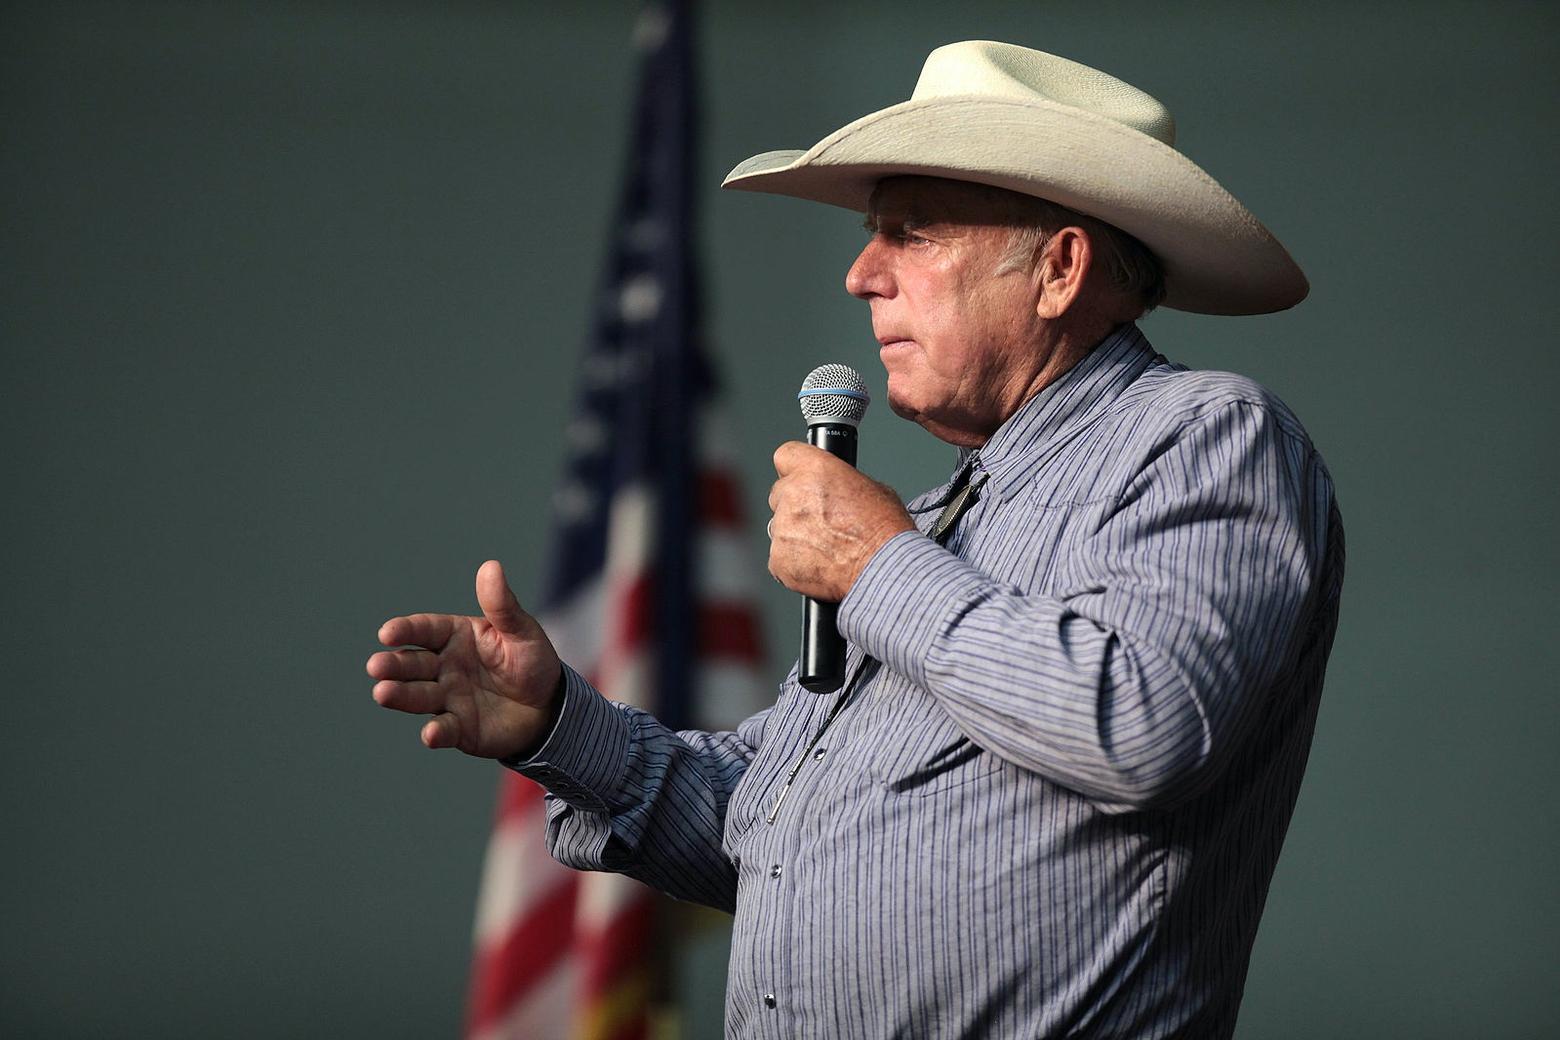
{"x":1053,"y":810}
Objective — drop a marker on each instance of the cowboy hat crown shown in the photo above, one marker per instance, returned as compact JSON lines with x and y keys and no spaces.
{"x":1038,"y":124}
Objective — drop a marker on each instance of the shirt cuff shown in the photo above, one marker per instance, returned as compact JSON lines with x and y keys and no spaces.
{"x":582,"y":759}
{"x":906,"y":597}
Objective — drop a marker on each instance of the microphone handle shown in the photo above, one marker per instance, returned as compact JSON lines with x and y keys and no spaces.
{"x":822,"y":665}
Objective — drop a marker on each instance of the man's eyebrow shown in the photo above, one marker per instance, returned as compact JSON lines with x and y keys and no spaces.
{"x":911,"y":222}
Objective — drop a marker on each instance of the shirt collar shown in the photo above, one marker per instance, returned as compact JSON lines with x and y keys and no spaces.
{"x":1013,"y":452}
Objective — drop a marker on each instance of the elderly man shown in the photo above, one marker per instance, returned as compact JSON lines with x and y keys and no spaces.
{"x":1082,"y":676}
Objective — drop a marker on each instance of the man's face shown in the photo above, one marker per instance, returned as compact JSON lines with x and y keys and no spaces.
{"x":959,"y":340}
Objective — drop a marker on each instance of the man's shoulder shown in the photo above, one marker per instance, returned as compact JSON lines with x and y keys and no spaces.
{"x":1175,"y":397}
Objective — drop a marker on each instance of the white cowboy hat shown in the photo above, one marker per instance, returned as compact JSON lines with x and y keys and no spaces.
{"x":1041,"y":125}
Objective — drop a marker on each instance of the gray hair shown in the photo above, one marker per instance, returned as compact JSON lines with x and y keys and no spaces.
{"x":1132,"y":268}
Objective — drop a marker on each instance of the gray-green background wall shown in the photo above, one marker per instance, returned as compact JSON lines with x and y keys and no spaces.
{"x":290,"y":304}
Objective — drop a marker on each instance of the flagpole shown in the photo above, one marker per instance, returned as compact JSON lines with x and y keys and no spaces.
{"x":640,"y":504}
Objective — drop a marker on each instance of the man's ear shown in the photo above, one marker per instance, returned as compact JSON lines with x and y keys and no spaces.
{"x":1064,"y":265}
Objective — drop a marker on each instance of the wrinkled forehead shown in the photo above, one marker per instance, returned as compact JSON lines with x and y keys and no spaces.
{"x":938,"y":200}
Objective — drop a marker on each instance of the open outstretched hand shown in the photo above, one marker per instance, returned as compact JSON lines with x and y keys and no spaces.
{"x":491,"y":683}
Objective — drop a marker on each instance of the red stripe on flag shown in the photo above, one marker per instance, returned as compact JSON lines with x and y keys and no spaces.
{"x":630,"y":606}
{"x":503,"y":973}
{"x":617,"y":949}
{"x":518,"y":797}
{"x":720,"y":504}
{"x":633,"y":612}
{"x":729,"y":631}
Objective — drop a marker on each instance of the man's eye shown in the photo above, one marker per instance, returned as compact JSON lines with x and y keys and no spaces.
{"x":903,"y":235}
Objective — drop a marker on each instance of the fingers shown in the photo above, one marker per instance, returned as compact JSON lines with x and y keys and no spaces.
{"x":426,"y":630}
{"x":790,"y":454}
{"x":498,"y":601}
{"x":404,"y":664}
{"x":414,"y":698}
{"x":441,"y":731}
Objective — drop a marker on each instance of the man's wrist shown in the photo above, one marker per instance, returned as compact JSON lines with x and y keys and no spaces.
{"x":885,"y":535}
{"x":583,"y":757}
{"x":903,"y":600}
{"x":553,"y":711}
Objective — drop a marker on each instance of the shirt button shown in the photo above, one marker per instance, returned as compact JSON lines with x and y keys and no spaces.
{"x":769,"y":1000}
{"x":818,"y":755}
{"x":774,"y":871}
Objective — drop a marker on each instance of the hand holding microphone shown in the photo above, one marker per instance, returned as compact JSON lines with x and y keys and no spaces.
{"x":829,"y":519}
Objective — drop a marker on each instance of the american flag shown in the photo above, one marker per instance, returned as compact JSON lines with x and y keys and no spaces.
{"x":649,"y":593}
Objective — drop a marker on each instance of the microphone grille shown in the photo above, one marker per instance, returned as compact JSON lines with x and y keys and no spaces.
{"x":833,"y":393}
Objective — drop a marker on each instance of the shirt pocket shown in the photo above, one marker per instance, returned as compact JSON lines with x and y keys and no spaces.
{"x":920,"y":752}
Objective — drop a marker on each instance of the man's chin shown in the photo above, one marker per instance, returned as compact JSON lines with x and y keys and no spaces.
{"x":919,"y":416}
{"x":902,"y":408}
{"x":955,"y":433}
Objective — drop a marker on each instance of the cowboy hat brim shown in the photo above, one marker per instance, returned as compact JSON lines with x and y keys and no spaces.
{"x":1217,"y":257}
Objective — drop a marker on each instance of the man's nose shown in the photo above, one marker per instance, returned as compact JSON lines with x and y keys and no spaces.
{"x":868,"y":276}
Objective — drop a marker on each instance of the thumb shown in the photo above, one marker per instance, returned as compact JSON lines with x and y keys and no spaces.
{"x":498,"y":602}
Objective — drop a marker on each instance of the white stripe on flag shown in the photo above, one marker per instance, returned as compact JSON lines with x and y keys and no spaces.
{"x":517,"y":874}
{"x":602,"y":897}
{"x":730,"y":691}
{"x":575,"y":625}
{"x":628,"y":677}
{"x":630,"y":533}
{"x":544,"y":1009}
{"x":727,"y":562}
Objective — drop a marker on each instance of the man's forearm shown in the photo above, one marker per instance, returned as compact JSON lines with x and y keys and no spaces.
{"x":630,"y":796}
{"x":1133,"y":677}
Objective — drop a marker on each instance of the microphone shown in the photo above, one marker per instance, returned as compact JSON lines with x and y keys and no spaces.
{"x":833,"y":399}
